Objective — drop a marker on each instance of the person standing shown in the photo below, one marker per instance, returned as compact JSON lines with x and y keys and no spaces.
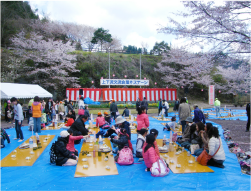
{"x":81,"y":104}
{"x":65,"y":105}
{"x":138,"y":103}
{"x":18,"y":116}
{"x":184,"y":112}
{"x":49,"y":109}
{"x":142,"y":119}
{"x":113,"y":109}
{"x":248,"y":114}
{"x":176,"y":105}
{"x":145,"y":103}
{"x":198,"y":115}
{"x":8,"y":111}
{"x":159,"y":106}
{"x":217,"y":106}
{"x":166,"y":107}
{"x":36,"y":108}
{"x":61,"y":110}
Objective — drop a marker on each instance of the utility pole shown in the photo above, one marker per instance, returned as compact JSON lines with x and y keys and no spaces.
{"x":109,"y":67}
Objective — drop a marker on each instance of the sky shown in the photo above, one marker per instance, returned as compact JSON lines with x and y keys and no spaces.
{"x":133,"y":22}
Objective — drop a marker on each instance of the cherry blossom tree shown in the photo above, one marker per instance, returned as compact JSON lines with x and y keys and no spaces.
{"x":48,"y":62}
{"x":224,"y":27}
{"x":182,"y":68}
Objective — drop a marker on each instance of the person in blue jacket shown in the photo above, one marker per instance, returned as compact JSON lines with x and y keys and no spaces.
{"x":198,"y":115}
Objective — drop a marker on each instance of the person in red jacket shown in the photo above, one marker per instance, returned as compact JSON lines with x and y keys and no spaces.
{"x":100,"y":121}
{"x":149,"y":154}
{"x":142,"y":119}
{"x":70,"y":144}
{"x":70,"y":121}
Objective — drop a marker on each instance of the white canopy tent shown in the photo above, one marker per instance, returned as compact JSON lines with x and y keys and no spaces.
{"x":9,"y":90}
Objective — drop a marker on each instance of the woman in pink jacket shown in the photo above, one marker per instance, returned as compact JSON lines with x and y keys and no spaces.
{"x":149,"y":154}
{"x":100,"y":121}
{"x":142,"y":118}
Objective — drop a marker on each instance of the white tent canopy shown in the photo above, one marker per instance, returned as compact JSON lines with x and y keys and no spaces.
{"x":9,"y":90}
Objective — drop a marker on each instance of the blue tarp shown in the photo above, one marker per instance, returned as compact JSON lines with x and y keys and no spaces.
{"x":43,"y":176}
{"x":88,"y":100}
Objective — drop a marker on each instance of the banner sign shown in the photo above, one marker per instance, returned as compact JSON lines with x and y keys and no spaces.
{"x":211,"y":95}
{"x":128,"y":82}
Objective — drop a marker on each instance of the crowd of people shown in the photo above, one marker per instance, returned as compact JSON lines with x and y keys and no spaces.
{"x":195,"y":131}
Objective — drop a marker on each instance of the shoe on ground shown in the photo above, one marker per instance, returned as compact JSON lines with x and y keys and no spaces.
{"x":16,"y":138}
{"x":20,"y":140}
{"x":140,"y":160}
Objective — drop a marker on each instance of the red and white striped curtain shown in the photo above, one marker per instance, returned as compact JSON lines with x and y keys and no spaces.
{"x":121,"y":94}
{"x":154,"y":94}
{"x":74,"y":95}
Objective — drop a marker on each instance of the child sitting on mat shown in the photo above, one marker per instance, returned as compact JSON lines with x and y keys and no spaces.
{"x":70,"y":145}
{"x":122,"y":141}
{"x":149,"y":154}
{"x":100,"y":121}
{"x":4,"y":136}
{"x":155,"y":132}
{"x":70,"y":120}
{"x":107,"y":117}
{"x":170,"y":124}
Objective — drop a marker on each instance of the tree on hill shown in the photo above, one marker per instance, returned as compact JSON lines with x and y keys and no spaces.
{"x":14,"y":16}
{"x":160,"y":48}
{"x":101,"y":36}
{"x":46,"y":62}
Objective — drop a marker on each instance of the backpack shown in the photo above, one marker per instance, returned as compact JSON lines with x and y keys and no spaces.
{"x":125,"y":156}
{"x":53,"y":156}
{"x":159,"y":168}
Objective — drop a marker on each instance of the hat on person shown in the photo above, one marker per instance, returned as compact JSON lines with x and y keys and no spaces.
{"x":216,"y":98}
{"x":189,"y":119}
{"x":99,"y":113}
{"x":64,"y":134}
{"x":195,"y":105}
{"x":113,"y":100}
{"x":106,"y":113}
{"x":8,"y":101}
{"x":120,"y":119}
{"x":60,"y":102}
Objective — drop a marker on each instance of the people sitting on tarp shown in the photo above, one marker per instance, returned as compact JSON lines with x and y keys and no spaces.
{"x":8,"y":112}
{"x":186,"y":133}
{"x":215,"y":146}
{"x":113,"y":109}
{"x":121,"y":123}
{"x":154,"y":132}
{"x":140,"y":142}
{"x":78,"y":127}
{"x":100,"y":120}
{"x":142,"y":118}
{"x":198,"y":115}
{"x":171,"y":124}
{"x":126,"y":112}
{"x":205,"y":139}
{"x":149,"y":153}
{"x":4,"y":136}
{"x":69,"y":121}
{"x":64,"y":156}
{"x":70,"y":145}
{"x":107,"y":117}
{"x":194,"y":135}
{"x":122,"y":141}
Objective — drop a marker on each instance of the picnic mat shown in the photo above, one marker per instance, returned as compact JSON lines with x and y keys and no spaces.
{"x":183,"y":160}
{"x":21,"y":154}
{"x":51,"y":127}
{"x":96,"y":165}
{"x":133,"y":131}
{"x":160,"y":119}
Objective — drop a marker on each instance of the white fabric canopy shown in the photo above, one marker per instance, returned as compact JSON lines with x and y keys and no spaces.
{"x":9,"y":90}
